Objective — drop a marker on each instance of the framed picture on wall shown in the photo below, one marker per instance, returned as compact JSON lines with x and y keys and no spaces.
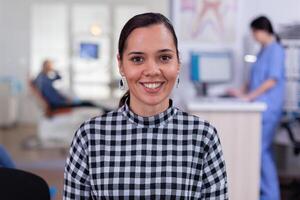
{"x":205,"y":21}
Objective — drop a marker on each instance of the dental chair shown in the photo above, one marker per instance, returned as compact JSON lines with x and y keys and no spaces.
{"x":56,"y":128}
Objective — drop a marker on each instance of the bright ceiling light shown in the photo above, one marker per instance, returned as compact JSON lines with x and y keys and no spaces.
{"x":95,"y":30}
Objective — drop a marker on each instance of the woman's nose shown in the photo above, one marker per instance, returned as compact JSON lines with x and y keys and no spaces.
{"x":152,"y":68}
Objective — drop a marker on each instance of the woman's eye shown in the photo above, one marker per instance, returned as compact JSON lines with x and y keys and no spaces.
{"x":165,"y":58}
{"x":137,"y":59}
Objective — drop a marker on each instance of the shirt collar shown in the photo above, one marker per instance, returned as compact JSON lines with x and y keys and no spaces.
{"x":152,"y":121}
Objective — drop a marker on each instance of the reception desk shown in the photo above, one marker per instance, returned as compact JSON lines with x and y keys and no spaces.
{"x":239,"y":128}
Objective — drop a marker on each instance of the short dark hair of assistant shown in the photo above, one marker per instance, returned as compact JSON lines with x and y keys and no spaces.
{"x":140,"y":21}
{"x":263,"y":23}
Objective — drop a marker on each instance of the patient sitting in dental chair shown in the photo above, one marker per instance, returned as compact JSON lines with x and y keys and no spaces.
{"x":55,"y":99}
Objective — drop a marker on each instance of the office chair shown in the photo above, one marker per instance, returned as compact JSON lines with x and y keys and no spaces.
{"x":16,"y":184}
{"x":286,"y":124}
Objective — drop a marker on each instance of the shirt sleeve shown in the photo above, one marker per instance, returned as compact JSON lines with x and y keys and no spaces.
{"x":276,"y":63}
{"x":76,"y":175}
{"x":54,"y":75}
{"x":214,"y":178}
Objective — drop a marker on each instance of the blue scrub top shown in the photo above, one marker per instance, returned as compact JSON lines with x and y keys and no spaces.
{"x":270,"y":65}
{"x":45,"y":85}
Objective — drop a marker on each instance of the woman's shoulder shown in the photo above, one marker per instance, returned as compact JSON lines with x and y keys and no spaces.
{"x":100,"y":121}
{"x":105,"y":117}
{"x":190,"y":117}
{"x":197,"y":121}
{"x":277,"y":47}
{"x":203,"y":130}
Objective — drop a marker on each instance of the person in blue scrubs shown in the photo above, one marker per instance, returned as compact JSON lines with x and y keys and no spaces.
{"x":266,"y":84}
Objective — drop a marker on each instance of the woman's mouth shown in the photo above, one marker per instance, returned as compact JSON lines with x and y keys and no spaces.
{"x":152,"y":87}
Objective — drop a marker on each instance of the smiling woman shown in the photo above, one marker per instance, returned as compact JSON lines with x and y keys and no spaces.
{"x":147,"y":149}
{"x":150,"y":65}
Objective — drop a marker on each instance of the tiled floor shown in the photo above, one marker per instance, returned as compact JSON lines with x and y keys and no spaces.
{"x":47,"y":163}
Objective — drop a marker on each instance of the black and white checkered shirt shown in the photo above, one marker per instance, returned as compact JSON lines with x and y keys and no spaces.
{"x":121,"y":155}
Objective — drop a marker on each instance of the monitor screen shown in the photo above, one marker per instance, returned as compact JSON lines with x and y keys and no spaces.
{"x":211,"y":67}
{"x":89,"y":50}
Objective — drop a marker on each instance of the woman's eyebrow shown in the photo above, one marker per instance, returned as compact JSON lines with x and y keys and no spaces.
{"x":165,"y":50}
{"x":135,"y":52}
{"x":141,"y":53}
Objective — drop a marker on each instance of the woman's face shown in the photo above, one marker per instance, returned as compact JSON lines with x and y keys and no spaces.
{"x":48,"y":66}
{"x":260,"y":36}
{"x":150,"y":64}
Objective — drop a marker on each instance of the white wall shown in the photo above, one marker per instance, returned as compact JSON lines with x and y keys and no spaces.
{"x":15,"y":42}
{"x":1,"y":25}
{"x":278,"y":11}
{"x":15,"y":33}
{"x":15,"y":36}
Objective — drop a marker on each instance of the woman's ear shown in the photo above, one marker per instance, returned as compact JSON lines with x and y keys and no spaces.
{"x":121,"y":71}
{"x":178,"y":68}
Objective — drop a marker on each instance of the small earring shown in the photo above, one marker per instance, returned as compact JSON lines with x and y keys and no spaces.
{"x":178,"y":81}
{"x":123,"y":83}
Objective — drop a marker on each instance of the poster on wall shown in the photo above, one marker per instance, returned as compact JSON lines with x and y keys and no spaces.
{"x":205,"y":21}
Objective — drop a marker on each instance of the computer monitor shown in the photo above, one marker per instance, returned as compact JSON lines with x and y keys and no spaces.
{"x":89,"y":50}
{"x":211,"y":67}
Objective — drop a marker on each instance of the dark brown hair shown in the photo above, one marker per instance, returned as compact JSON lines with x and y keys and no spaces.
{"x":139,"y":21}
{"x":263,"y":23}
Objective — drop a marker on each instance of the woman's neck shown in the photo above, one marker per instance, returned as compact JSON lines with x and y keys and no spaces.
{"x":268,"y":40}
{"x":146,"y":110}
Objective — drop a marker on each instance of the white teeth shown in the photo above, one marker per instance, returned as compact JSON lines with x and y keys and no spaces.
{"x":152,"y":85}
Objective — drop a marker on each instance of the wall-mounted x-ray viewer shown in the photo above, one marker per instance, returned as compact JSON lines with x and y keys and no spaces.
{"x":210,"y":67}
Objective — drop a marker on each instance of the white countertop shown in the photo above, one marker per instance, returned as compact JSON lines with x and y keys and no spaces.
{"x":223,"y":104}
